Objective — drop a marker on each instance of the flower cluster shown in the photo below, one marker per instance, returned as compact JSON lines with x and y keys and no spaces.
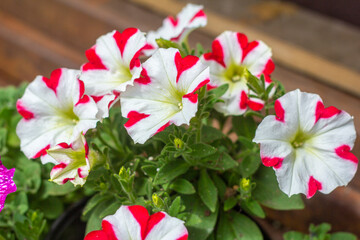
{"x":159,"y":85}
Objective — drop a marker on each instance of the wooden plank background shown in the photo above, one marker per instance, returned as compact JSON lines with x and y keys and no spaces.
{"x":37,"y":38}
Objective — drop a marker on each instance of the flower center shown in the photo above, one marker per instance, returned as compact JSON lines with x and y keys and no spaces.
{"x":235,"y":73}
{"x":122,"y":74}
{"x":180,"y":105}
{"x":299,"y":139}
{"x":69,"y":116}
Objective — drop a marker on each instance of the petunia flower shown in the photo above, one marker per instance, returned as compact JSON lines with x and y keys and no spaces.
{"x":177,"y":29}
{"x":113,"y":62}
{"x":307,"y":144}
{"x":134,"y":222}
{"x":164,"y":94}
{"x":231,"y":58}
{"x":55,"y":110}
{"x":7,"y":184}
{"x":74,"y":162}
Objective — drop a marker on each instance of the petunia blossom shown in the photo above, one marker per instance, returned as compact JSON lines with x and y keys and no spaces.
{"x":113,"y":62}
{"x":307,"y":144}
{"x":177,"y":29}
{"x":55,"y":110}
{"x":7,"y":184}
{"x":134,"y":222}
{"x":231,"y":58}
{"x":74,"y":162}
{"x":164,"y":94}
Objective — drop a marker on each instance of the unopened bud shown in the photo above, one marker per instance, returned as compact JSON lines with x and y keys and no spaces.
{"x":179,"y":144}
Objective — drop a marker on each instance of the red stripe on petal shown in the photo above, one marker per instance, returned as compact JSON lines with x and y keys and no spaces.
{"x":344,"y":152}
{"x":64,"y":145}
{"x":26,"y":114}
{"x":199,"y":14}
{"x":249,"y":48}
{"x":269,"y":67}
{"x":97,"y":98}
{"x":322,"y":112}
{"x":163,"y":127}
{"x":279,"y":111}
{"x":267,"y":78}
{"x":95,"y":62}
{"x":144,"y":78}
{"x":153,"y":221}
{"x":86,"y":146}
{"x":203,"y":83}
{"x":53,"y":82}
{"x":96,"y":235}
{"x":313,"y":186}
{"x":134,"y":117}
{"x":108,"y":229}
{"x":65,"y":180}
{"x":242,"y":40}
{"x":121,"y":39}
{"x":272,"y":162}
{"x":173,"y":21}
{"x":217,"y":53}
{"x":81,"y":88}
{"x":256,"y":106}
{"x":59,"y":166}
{"x":142,"y":216}
{"x":79,"y":173}
{"x":84,"y":99}
{"x":243,"y":100}
{"x":192,"y":97}
{"x":184,"y":237}
{"x":209,"y":87}
{"x":182,"y":64}
{"x":42,"y":152}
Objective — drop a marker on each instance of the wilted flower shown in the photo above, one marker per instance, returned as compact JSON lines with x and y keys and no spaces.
{"x":134,"y":222}
{"x":307,"y":144}
{"x":164,"y":94}
{"x":231,"y":58}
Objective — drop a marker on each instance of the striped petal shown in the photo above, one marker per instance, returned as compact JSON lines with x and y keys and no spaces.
{"x":164,"y":94}
{"x":308,"y":145}
{"x":54,"y":110}
{"x":113,"y":62}
{"x":134,"y":223}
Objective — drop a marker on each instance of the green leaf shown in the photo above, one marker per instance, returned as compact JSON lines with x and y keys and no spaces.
{"x":200,"y":150}
{"x":94,"y":222}
{"x":210,"y":134}
{"x":295,"y":236}
{"x":252,"y":207}
{"x":236,"y":226}
{"x":149,"y":170}
{"x":52,"y":207}
{"x":207,"y":191}
{"x":32,"y":227}
{"x":182,"y":186}
{"x":249,"y":165}
{"x":95,"y":201}
{"x":342,"y":236}
{"x":230,"y":203}
{"x":170,"y":171}
{"x":244,"y":126}
{"x":21,"y":202}
{"x":220,"y":185}
{"x":53,"y":189}
{"x":175,"y":207}
{"x":110,"y":210}
{"x":219,"y":91}
{"x":267,"y":192}
{"x":201,"y":221}
{"x":219,"y":161}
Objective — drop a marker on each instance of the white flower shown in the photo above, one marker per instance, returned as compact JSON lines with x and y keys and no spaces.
{"x":191,"y":17}
{"x":54,"y":110}
{"x":73,"y":162}
{"x":308,"y":145}
{"x":231,"y":58}
{"x":134,"y":222}
{"x":113,"y":62}
{"x":164,"y":94}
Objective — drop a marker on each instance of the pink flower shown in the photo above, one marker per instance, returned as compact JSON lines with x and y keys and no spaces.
{"x":7,"y":184}
{"x":231,"y":58}
{"x":164,"y":94}
{"x":134,"y":222}
{"x":55,"y":110}
{"x":73,"y":162}
{"x":307,"y":144}
{"x":177,"y":30}
{"x":113,"y":62}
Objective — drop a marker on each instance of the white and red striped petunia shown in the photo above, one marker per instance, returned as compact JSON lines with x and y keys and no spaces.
{"x":54,"y":110}
{"x":113,"y":62}
{"x":164,"y":94}
{"x":307,"y":144}
{"x":191,"y":17}
{"x":7,"y":184}
{"x":73,"y":162}
{"x":231,"y":58}
{"x":134,"y":222}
